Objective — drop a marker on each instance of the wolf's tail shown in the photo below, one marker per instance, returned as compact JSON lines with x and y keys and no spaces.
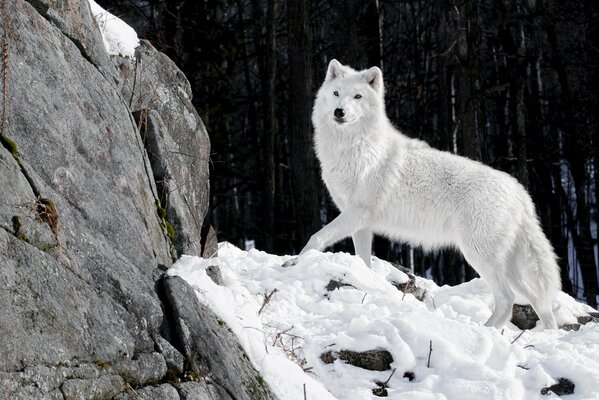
{"x":540,"y":258}
{"x":539,"y":279}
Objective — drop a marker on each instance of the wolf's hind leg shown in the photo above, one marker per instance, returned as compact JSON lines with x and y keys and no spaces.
{"x":363,"y":244}
{"x":504,"y":300}
{"x":544,"y":310}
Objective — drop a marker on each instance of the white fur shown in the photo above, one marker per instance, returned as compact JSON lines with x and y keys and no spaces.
{"x":389,"y":184}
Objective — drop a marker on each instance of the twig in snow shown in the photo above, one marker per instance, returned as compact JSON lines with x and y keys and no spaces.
{"x":288,"y":343}
{"x":430,"y":351}
{"x":518,"y":337}
{"x":279,"y":334}
{"x":267,"y":298}
{"x":364,"y":297}
{"x":265,"y":336}
{"x":217,"y":247}
{"x":388,"y":379}
{"x":305,"y":396}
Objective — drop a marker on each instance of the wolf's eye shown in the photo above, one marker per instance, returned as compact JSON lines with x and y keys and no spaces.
{"x":336,"y":93}
{"x":358,"y":96}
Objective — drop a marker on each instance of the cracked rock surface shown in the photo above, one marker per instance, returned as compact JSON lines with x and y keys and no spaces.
{"x":82,"y":239}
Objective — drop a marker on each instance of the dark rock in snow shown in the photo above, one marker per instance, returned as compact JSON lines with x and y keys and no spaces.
{"x":562,"y":387}
{"x":591,"y":317}
{"x":373,"y":360}
{"x":380,"y":390}
{"x":82,"y":238}
{"x":570,"y":327}
{"x":410,"y":287}
{"x":524,"y":317}
{"x":409,"y":375}
{"x":334,"y":284}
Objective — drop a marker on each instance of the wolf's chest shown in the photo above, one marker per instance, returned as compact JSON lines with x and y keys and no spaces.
{"x":348,"y":178}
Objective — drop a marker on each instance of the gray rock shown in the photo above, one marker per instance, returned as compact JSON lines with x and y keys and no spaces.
{"x":197,"y":391}
{"x":143,"y":369}
{"x":75,"y":20}
{"x":213,"y":271}
{"x":103,"y":387}
{"x":83,"y":371}
{"x":82,"y":241}
{"x":209,"y":242}
{"x":206,"y":342}
{"x":92,"y":295}
{"x":174,"y":359}
{"x":20,"y":208}
{"x":32,"y":383}
{"x":164,"y":391}
{"x":173,"y":133}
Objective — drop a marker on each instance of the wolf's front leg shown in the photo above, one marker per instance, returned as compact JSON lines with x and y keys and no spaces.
{"x":363,"y":244}
{"x":346,"y":224}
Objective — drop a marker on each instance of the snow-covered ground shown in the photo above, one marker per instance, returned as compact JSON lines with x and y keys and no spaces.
{"x":302,"y":320}
{"x":119,"y":38}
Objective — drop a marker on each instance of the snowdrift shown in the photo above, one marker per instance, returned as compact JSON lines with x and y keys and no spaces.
{"x":287,"y":318}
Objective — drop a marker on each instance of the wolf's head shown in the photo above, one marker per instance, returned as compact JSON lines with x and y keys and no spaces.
{"x":348,"y":96}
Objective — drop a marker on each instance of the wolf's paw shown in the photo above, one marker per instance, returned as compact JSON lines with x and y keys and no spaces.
{"x":289,"y":263}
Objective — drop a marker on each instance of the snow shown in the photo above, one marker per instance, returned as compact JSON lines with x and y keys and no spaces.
{"x":119,"y":38}
{"x":302,"y":320}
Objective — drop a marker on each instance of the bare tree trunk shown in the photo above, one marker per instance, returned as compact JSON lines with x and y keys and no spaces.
{"x":467,"y":115}
{"x":467,"y":78}
{"x":270,"y":123}
{"x":346,"y":45}
{"x":303,"y":177}
{"x":373,"y":28}
{"x":514,"y":48}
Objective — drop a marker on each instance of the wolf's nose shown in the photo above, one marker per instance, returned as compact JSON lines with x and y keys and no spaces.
{"x":339,"y":113}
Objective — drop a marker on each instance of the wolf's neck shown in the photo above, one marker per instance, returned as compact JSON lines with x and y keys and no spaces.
{"x":341,"y":144}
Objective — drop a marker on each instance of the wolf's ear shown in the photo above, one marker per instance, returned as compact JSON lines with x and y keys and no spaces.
{"x":335,"y":70}
{"x":374,"y":77}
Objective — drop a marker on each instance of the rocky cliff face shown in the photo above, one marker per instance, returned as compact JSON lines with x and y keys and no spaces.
{"x":103,"y":183}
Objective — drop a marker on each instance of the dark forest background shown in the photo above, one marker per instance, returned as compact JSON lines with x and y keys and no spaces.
{"x":511,"y":83}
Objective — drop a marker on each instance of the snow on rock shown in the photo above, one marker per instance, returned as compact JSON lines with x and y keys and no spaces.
{"x":302,"y":320}
{"x":119,"y":38}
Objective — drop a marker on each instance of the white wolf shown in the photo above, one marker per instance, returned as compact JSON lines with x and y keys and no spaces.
{"x":389,"y":184}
